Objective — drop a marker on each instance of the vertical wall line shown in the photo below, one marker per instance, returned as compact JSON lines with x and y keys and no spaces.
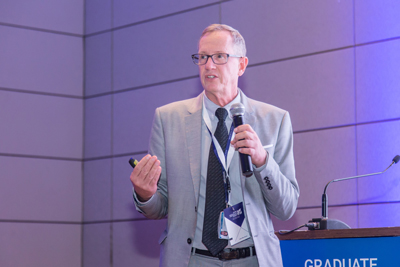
{"x":355,"y":109}
{"x":112,"y":140}
{"x":83,"y":134}
{"x":220,"y":12}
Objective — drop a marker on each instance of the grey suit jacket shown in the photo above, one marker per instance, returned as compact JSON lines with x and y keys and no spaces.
{"x":176,"y":140}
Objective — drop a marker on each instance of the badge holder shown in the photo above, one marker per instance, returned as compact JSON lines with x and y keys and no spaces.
{"x":235,"y":223}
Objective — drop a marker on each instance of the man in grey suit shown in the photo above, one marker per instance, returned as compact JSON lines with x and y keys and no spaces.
{"x":194,"y":174}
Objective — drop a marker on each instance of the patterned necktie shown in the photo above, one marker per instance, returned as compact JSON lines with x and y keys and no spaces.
{"x":215,"y":192}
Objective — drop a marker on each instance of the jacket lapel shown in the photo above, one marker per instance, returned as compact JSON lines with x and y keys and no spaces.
{"x":193,"y":122}
{"x":249,"y":117}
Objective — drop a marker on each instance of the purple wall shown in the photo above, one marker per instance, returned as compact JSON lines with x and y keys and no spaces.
{"x":41,"y":136}
{"x":333,"y":64}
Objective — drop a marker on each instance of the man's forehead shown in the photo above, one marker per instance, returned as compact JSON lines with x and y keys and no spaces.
{"x":216,"y":40}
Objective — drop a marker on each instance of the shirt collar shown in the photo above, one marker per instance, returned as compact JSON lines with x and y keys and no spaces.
{"x":212,"y":107}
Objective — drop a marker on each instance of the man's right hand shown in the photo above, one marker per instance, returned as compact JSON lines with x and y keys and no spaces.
{"x":144,"y":177}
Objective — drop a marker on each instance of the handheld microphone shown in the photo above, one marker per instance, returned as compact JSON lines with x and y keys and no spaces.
{"x":237,"y":111}
{"x":324,"y":222}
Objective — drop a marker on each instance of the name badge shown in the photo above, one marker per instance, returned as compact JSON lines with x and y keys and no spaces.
{"x":233,"y":222}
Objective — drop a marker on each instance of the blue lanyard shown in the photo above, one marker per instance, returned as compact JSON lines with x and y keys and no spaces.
{"x":227,"y":184}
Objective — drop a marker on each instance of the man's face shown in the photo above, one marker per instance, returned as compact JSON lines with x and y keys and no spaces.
{"x":220,"y":80}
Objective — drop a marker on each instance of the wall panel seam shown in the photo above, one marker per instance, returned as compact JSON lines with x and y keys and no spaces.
{"x":41,"y":30}
{"x":156,"y":18}
{"x":15,"y":90}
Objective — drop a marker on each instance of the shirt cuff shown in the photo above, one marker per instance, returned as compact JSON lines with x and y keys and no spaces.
{"x":261,"y":168}
{"x":138,"y":202}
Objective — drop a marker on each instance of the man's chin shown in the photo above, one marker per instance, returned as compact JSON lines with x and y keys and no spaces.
{"x":214,"y":90}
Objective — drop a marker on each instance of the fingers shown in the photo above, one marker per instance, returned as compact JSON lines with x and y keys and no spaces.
{"x":246,"y":141}
{"x":245,"y":137}
{"x":146,"y":167}
{"x":145,"y":176}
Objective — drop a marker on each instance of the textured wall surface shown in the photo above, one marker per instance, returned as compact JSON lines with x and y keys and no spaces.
{"x":80,"y":80}
{"x":41,"y":136}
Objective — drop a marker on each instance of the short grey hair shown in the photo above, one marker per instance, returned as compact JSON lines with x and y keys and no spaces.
{"x":237,"y":39}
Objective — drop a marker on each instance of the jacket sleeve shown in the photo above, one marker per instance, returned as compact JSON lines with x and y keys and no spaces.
{"x":277,"y":178}
{"x":157,"y":206}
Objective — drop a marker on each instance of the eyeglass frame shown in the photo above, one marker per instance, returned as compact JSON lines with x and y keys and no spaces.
{"x":211,"y":56}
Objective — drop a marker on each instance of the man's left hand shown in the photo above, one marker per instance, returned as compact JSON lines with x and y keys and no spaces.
{"x":247,"y":142}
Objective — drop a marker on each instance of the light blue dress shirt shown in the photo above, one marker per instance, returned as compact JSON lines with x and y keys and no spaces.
{"x":236,"y":195}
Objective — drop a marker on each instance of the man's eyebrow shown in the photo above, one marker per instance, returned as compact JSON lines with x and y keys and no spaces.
{"x":216,"y":52}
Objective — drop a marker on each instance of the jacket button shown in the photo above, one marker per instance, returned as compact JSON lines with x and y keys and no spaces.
{"x":189,"y":241}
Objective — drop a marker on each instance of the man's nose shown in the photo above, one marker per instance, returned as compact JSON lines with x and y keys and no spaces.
{"x":210,"y":64}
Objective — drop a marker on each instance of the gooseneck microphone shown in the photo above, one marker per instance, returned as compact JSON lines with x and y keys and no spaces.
{"x":237,"y":111}
{"x":324,"y":222}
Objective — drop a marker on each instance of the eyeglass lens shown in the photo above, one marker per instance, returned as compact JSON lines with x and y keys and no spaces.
{"x":201,"y":59}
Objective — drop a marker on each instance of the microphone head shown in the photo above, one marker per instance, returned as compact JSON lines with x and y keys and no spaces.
{"x":237,"y":109}
{"x":396,"y":159}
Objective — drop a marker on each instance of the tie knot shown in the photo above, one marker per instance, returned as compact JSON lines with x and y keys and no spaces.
{"x":221,"y":114}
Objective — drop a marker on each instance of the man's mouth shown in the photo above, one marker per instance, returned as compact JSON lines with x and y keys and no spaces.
{"x":211,"y":76}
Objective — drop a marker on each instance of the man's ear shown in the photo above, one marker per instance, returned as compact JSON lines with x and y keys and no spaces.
{"x":243,"y":62}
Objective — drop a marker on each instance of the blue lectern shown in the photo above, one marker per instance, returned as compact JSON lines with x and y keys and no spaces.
{"x":364,"y":247}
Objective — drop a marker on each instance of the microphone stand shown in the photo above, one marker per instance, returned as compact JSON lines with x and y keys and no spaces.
{"x":325,"y":223}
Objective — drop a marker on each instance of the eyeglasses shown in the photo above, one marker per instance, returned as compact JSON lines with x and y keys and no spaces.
{"x":218,"y":59}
